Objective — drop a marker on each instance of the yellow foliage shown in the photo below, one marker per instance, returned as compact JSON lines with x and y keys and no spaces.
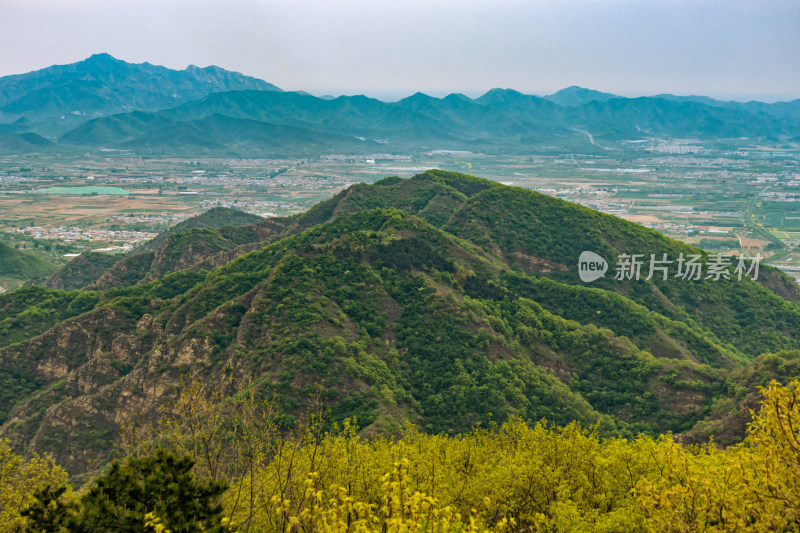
{"x":513,"y":477}
{"x":401,"y":511}
{"x":154,"y":522}
{"x":751,"y":487}
{"x":19,"y":479}
{"x":508,"y":477}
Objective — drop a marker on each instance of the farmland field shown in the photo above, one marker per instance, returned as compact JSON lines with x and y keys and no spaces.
{"x":728,"y":200}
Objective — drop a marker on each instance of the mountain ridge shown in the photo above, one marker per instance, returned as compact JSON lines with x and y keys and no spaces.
{"x":574,"y":96}
{"x":103,"y":102}
{"x":499,"y":120}
{"x":60,"y":95}
{"x":443,"y":299}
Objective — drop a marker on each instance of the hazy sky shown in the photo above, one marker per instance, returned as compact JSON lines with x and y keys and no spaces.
{"x":723,"y":48}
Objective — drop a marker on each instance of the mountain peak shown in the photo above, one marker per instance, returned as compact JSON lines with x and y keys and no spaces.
{"x":96,"y":64}
{"x":457,"y":97}
{"x":418,"y":98}
{"x":103,"y":84}
{"x":102,"y":56}
{"x":574,"y":96}
{"x":102,"y":59}
{"x":500,"y":90}
{"x":497,"y":95}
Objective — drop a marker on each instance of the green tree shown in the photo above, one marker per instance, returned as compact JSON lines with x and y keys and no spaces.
{"x":50,"y":511}
{"x":132,"y":496}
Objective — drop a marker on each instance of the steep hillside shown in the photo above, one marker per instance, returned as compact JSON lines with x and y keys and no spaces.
{"x":201,"y":242}
{"x":81,"y":271}
{"x":216,"y":217}
{"x":444,"y":299}
{"x":177,"y":252}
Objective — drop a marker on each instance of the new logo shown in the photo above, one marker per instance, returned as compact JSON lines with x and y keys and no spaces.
{"x":591,"y":267}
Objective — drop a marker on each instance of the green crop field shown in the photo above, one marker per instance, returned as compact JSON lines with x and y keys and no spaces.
{"x":82,"y":190}
{"x":782,"y":221}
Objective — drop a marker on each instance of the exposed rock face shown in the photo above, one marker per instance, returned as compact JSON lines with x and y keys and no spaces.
{"x":81,"y":366}
{"x":94,"y":372}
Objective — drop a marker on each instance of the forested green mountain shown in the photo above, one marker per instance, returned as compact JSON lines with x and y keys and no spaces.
{"x":444,"y":299}
{"x":216,"y":217}
{"x":782,"y":110}
{"x":64,"y":95}
{"x":103,"y":102}
{"x":20,"y":264}
{"x":213,"y":135}
{"x":81,"y":271}
{"x":621,"y":117}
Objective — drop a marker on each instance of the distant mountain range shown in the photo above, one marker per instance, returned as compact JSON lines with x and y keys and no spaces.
{"x":63,"y":95}
{"x":103,"y":102}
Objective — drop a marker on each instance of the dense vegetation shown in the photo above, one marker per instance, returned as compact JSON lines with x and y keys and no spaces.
{"x":512,"y":477}
{"x":23,"y":265}
{"x":216,"y":217}
{"x":81,"y":271}
{"x":443,"y":300}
